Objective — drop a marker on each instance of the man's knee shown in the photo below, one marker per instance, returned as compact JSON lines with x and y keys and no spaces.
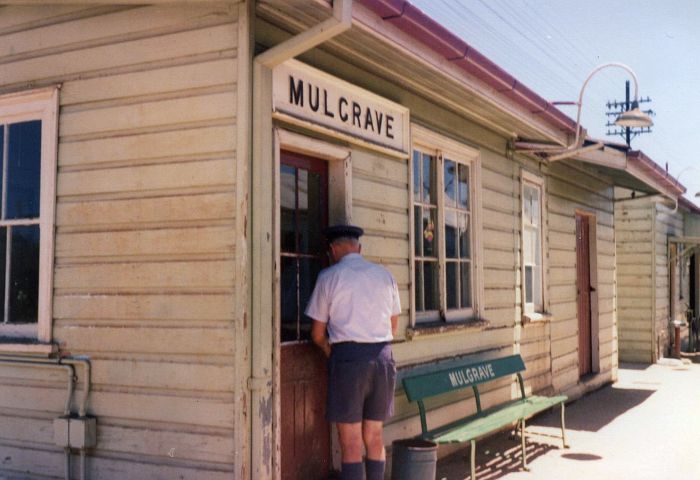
{"x":350,"y":436}
{"x":372,"y":435}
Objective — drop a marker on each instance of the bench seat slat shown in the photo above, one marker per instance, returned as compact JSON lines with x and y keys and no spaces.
{"x":488,"y":421}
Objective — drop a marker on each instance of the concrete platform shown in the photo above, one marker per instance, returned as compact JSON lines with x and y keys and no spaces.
{"x":645,"y":426}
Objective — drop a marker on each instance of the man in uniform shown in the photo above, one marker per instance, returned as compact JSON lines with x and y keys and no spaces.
{"x":354,"y":308}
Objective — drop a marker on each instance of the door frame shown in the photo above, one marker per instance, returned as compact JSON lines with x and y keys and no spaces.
{"x":339,"y":160}
{"x":593,"y":273}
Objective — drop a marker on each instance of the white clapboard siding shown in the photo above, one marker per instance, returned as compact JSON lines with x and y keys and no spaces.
{"x":573,"y":188}
{"x":643,"y":276}
{"x":145,"y":221}
{"x":633,"y":222}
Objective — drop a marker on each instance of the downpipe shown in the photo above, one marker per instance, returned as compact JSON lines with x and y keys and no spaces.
{"x":261,"y":382}
{"x":67,"y":364}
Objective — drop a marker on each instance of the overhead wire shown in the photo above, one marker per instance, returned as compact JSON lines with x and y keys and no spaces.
{"x":480,"y":33}
{"x":486,"y":24}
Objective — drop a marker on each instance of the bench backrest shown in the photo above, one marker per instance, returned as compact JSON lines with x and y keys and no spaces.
{"x":459,"y":376}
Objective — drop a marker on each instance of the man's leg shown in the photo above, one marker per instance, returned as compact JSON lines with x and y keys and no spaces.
{"x":350,"y":435}
{"x":372,"y":435}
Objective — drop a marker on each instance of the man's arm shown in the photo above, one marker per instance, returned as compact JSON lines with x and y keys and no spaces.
{"x":320,"y":338}
{"x":394,"y":324}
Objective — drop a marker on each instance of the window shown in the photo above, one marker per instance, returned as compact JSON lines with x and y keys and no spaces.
{"x":443,"y":174}
{"x":27,"y":199}
{"x":532,"y":235}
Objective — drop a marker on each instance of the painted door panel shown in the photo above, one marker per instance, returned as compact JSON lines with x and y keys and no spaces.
{"x":583,"y":289}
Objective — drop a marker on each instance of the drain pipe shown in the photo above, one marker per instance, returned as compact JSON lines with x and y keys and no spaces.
{"x":263,"y":241}
{"x":290,"y":48}
{"x":82,"y":408}
{"x":48,"y":364}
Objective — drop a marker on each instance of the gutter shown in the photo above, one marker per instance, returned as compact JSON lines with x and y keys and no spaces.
{"x":649,"y":166}
{"x":414,"y":22}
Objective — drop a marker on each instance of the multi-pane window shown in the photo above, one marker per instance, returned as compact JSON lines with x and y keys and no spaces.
{"x":533,"y":290}
{"x":443,"y":235}
{"x":27,"y":192}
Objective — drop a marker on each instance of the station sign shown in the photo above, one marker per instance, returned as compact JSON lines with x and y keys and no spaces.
{"x":308,"y":94}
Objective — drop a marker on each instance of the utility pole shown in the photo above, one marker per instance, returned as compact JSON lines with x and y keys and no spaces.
{"x":615,"y":108}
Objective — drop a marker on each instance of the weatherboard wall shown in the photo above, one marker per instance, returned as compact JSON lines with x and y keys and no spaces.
{"x":146,"y":251}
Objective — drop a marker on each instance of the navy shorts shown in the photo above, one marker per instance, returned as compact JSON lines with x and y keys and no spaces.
{"x":361,"y":380}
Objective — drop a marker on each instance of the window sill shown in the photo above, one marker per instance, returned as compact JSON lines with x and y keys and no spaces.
{"x":437,"y":328}
{"x":15,"y":346}
{"x":536,"y":317}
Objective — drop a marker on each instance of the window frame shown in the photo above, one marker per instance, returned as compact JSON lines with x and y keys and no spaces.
{"x":40,"y":104}
{"x":530,"y":179}
{"x":442,"y":147}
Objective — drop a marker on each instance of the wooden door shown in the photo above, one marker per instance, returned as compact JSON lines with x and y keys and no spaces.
{"x":583,"y":289}
{"x":305,"y":432}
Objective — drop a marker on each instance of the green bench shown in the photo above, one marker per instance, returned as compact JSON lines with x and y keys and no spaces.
{"x":461,"y":375}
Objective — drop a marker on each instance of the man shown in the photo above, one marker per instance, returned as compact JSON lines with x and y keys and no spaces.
{"x":354,"y":308}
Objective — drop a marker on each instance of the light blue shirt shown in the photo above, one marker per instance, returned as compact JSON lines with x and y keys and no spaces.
{"x":357,"y":299}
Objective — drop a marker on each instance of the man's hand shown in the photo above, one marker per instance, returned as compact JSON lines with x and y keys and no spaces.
{"x":394,"y":325}
{"x":319,"y":337}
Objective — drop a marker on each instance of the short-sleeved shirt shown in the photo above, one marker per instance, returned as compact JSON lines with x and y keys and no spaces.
{"x":357,"y":299}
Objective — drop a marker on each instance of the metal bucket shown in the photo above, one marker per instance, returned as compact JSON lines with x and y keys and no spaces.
{"x":413,"y":459}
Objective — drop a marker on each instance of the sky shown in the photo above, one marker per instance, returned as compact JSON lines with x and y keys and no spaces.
{"x":552,"y":46}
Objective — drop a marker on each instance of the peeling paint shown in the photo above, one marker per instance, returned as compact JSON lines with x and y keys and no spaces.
{"x":265,"y":409}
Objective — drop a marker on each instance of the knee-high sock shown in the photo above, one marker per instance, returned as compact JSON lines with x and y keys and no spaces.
{"x":374,"y":469}
{"x":352,"y":471}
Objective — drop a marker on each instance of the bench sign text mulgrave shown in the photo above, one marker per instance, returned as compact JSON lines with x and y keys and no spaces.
{"x":308,"y":94}
{"x":469,"y":375}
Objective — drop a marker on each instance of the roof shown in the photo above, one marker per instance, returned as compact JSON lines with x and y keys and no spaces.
{"x":690,"y":206}
{"x":639,"y":159}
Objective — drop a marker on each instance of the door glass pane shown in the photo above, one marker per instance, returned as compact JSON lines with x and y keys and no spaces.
{"x":288,"y":208}
{"x":310,"y":224}
{"x":429,"y":232}
{"x":451,"y":234}
{"x":23,"y":170}
{"x":24,"y":275}
{"x":450,"y":183}
{"x":303,"y":217}
{"x":430,"y":285}
{"x":302,"y":209}
{"x":466,"y":284}
{"x":464,"y":186}
{"x":288,"y":293}
{"x":452,"y":285}
{"x":309,"y":269}
{"x":417,"y":176}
